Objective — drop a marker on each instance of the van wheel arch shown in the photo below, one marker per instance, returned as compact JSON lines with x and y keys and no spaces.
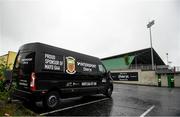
{"x":54,"y":89}
{"x":52,"y":99}
{"x":109,"y":91}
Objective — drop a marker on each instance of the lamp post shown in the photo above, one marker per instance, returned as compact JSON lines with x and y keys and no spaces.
{"x":149,"y":26}
{"x":167,"y":58}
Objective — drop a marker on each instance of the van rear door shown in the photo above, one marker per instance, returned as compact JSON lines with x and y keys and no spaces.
{"x":23,"y":68}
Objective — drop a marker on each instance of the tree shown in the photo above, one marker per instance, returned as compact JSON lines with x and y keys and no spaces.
{"x":3,"y":68}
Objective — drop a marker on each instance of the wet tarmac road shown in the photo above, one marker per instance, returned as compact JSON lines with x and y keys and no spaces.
{"x":127,"y":100}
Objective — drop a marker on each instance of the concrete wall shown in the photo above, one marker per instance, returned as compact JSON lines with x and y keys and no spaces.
{"x":150,"y":78}
{"x":164,"y":82}
{"x":177,"y":80}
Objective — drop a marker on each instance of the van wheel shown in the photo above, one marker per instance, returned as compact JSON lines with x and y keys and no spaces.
{"x":51,"y":100}
{"x":109,"y":91}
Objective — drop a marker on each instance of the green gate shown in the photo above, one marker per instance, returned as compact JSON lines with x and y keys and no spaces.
{"x":170,"y":79}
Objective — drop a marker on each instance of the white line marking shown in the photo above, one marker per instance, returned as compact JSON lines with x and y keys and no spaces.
{"x":147,"y":111}
{"x":73,"y":106}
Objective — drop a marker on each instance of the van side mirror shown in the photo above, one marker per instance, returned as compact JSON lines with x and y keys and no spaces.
{"x":109,"y":73}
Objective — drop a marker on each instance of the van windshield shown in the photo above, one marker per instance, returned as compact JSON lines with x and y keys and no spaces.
{"x":25,"y":62}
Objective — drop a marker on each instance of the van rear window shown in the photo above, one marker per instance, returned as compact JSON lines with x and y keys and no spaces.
{"x":25,"y":62}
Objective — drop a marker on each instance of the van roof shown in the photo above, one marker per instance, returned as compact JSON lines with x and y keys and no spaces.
{"x":37,"y":46}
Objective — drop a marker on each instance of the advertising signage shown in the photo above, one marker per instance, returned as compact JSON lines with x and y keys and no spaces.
{"x":125,"y":76}
{"x":68,"y":64}
{"x":73,"y":65}
{"x":53,"y":62}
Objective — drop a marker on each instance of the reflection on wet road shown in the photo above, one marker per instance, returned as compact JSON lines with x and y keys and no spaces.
{"x":127,"y":100}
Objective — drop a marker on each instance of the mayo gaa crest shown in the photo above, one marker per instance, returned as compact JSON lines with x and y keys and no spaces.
{"x":70,"y":65}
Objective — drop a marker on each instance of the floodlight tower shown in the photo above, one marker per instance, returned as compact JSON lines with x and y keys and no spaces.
{"x":149,"y":26}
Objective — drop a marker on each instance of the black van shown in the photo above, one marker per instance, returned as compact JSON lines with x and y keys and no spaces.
{"x":47,"y":73}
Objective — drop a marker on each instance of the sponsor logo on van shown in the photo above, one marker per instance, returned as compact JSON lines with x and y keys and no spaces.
{"x":53,"y":62}
{"x":71,"y":67}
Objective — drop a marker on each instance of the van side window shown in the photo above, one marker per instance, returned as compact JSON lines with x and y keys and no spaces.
{"x":101,"y":69}
{"x":25,"y":62}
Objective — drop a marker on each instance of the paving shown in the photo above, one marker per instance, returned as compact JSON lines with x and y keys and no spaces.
{"x":127,"y":100}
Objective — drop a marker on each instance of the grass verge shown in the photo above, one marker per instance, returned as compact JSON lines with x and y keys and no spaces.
{"x":12,"y":109}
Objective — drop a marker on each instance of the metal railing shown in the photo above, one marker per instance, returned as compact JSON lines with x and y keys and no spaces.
{"x":148,"y":67}
{"x":156,"y":67}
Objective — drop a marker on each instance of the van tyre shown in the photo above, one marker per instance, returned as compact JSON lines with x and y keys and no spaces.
{"x":51,"y":100}
{"x":109,"y":91}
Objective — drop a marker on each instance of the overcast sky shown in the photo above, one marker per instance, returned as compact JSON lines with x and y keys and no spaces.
{"x":99,"y":28}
